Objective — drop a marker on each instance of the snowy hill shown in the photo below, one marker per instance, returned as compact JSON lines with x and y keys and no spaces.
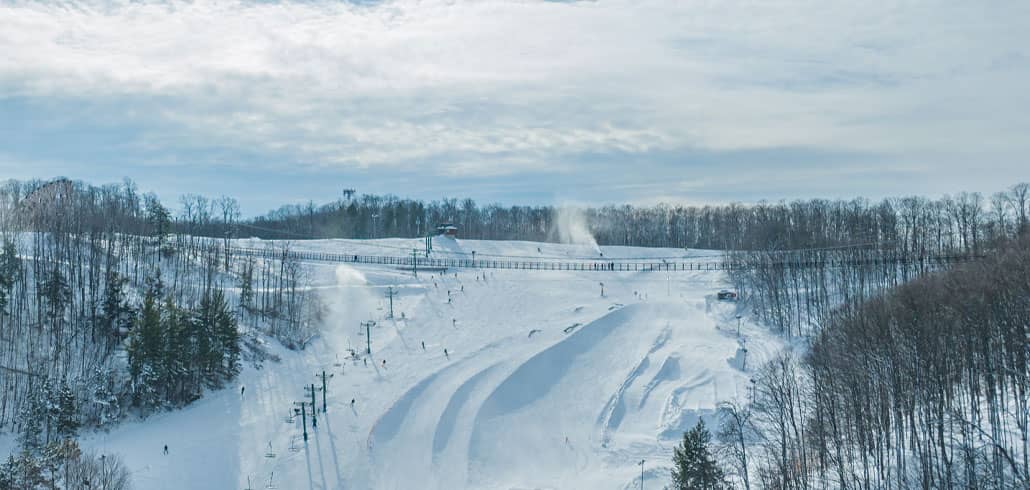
{"x":544,"y":383}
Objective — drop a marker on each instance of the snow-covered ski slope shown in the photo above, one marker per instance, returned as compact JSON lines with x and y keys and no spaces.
{"x":544,"y":384}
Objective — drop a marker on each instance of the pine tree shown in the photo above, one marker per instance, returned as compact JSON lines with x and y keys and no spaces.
{"x":32,"y":418}
{"x":228,"y":335}
{"x":694,"y":468}
{"x":207,"y":355}
{"x":179,"y":360}
{"x":57,"y":293}
{"x":145,"y":353}
{"x":65,"y":412}
{"x":116,"y":314}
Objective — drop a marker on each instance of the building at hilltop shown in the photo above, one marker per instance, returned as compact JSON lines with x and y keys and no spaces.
{"x":447,"y":230}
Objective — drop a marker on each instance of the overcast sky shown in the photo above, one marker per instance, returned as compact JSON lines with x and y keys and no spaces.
{"x":519,"y":101}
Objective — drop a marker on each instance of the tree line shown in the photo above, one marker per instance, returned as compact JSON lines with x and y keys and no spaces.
{"x":908,"y":224}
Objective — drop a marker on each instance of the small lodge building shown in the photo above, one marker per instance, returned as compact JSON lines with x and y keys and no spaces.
{"x":447,"y":230}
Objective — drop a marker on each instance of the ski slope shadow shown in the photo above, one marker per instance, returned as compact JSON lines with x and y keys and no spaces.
{"x":615,"y":409}
{"x":419,"y":427}
{"x":544,"y":406}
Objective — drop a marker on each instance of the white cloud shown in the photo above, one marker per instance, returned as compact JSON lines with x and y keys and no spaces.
{"x":495,"y":87}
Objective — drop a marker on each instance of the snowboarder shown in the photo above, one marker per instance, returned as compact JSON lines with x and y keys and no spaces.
{"x":352,"y":402}
{"x":446,"y":354}
{"x":423,"y":345}
{"x":463,"y":288}
{"x":242,"y":389}
{"x":365,"y":360}
{"x":384,"y":363}
{"x":166,"y":448}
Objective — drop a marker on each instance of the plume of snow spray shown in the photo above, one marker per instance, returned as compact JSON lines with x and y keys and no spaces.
{"x":571,"y":226}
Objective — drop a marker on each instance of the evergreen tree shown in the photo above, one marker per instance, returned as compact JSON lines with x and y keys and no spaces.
{"x":217,"y":339}
{"x":145,"y":353}
{"x":57,"y":293}
{"x":694,"y":468}
{"x":33,"y":418}
{"x":226,"y":331}
{"x":179,"y":360}
{"x":65,"y":412}
{"x":116,"y":314}
{"x":22,"y":473}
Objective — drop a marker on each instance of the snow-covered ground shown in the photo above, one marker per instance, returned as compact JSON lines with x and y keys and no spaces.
{"x":544,"y":384}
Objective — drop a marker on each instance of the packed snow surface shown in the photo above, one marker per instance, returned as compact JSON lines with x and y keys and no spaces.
{"x":528,"y":379}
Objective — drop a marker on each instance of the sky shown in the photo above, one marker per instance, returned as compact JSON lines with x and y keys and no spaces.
{"x":519,"y":101}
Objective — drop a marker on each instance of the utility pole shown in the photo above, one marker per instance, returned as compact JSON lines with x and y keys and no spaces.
{"x":314,"y":418}
{"x":303,"y":420}
{"x":390,"y":294}
{"x":368,"y":334}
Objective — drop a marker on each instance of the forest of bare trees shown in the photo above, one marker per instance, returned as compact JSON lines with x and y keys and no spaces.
{"x":111,"y":305}
{"x":912,"y":371}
